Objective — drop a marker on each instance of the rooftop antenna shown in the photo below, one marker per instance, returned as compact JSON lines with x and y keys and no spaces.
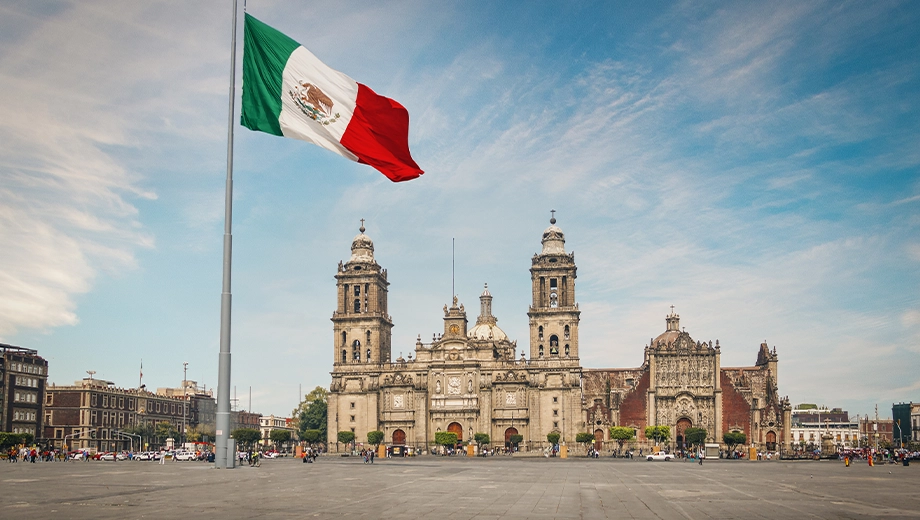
{"x":91,"y":373}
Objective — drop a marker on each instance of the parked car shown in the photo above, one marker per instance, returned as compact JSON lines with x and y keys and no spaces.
{"x":144,"y":455}
{"x":660,"y":455}
{"x":271,"y":455}
{"x":185,"y":455}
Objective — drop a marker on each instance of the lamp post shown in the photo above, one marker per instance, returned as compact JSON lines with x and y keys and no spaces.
{"x":184,"y":399}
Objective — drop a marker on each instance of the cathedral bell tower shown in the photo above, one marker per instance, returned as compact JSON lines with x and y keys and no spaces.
{"x":554,"y":314}
{"x":361,"y":323}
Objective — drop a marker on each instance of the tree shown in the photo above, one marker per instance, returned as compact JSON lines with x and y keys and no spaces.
{"x":312,"y":436}
{"x":658,"y":433}
{"x":733,"y":439}
{"x":312,"y":412}
{"x":516,"y":439}
{"x":165,"y":430}
{"x":246,"y":437}
{"x":481,"y":438}
{"x":345,"y":437}
{"x":584,"y":438}
{"x":375,"y":437}
{"x":552,"y":438}
{"x":280,"y":436}
{"x":445,"y":438}
{"x":621,"y":434}
{"x":695,"y":436}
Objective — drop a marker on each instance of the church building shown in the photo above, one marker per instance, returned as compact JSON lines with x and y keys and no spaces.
{"x":470,"y":380}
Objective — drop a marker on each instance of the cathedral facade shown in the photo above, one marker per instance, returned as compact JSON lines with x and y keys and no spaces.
{"x":469,"y":380}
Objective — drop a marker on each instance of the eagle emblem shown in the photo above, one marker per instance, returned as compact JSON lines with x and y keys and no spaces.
{"x":314,"y":103}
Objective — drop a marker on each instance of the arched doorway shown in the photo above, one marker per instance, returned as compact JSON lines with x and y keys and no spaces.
{"x":456,"y":428}
{"x":682,"y":426}
{"x":771,"y":441}
{"x":399,"y":438}
{"x":508,"y":433}
{"x":599,"y":439}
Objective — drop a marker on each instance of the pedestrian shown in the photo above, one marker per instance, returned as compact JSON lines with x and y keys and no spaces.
{"x":700,"y":458}
{"x":162,"y":456}
{"x":372,"y":456}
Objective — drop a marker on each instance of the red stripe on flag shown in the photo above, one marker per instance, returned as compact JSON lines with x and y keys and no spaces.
{"x":378,"y":134}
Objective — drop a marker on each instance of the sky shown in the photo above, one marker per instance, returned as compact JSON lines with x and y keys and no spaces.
{"x":754,"y":164}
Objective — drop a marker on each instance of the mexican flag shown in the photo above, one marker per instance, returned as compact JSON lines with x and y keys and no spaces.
{"x":288,"y":92}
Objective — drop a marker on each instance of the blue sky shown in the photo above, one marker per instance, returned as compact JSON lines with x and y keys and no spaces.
{"x":753,"y":164}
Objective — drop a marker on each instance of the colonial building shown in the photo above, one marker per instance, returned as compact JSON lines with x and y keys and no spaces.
{"x":23,"y":376}
{"x":92,"y":414}
{"x":470,"y":380}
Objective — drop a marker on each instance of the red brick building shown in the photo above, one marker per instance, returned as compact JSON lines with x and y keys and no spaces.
{"x":681,"y":384}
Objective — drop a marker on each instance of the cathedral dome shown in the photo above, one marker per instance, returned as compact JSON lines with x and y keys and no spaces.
{"x":362,"y":247}
{"x":673,"y":330}
{"x":553,"y":239}
{"x":487,"y":331}
{"x":486,"y":328}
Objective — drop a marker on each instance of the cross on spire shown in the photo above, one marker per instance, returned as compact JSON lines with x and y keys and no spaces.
{"x":552,"y":219}
{"x":672,"y":309}
{"x":362,"y":226}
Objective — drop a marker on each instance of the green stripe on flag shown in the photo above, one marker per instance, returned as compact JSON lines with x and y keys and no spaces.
{"x":265,"y":53}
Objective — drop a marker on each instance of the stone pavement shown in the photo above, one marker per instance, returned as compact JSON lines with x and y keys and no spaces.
{"x":447,"y":488}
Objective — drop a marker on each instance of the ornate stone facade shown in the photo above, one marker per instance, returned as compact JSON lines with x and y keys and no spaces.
{"x":470,"y":380}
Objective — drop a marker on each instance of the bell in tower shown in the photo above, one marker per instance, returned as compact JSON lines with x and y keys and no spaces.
{"x":361,"y":322}
{"x":554,"y":314}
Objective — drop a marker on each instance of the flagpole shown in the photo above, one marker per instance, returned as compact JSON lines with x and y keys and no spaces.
{"x":222,"y":428}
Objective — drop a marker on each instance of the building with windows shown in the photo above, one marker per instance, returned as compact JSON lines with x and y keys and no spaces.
{"x":202,"y":407}
{"x":915,"y":421}
{"x":23,"y":377}
{"x":809,"y":424}
{"x":270,"y":423}
{"x":876,"y":431}
{"x":470,"y":380}
{"x":900,"y":413}
{"x":93,"y":414}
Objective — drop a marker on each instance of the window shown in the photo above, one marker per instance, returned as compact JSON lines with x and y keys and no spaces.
{"x":566,"y":332}
{"x":553,"y":294}
{"x":555,"y":399}
{"x":352,"y":418}
{"x":540,"y":333}
{"x":352,"y":405}
{"x":357,"y":290}
{"x":344,"y":356}
{"x":368,"y":357}
{"x":555,"y":424}
{"x":357,"y":305}
{"x":555,"y":413}
{"x":105,"y":401}
{"x":541,"y":350}
{"x":121,"y":402}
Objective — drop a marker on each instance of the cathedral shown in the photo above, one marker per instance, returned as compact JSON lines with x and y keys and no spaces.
{"x":470,"y":380}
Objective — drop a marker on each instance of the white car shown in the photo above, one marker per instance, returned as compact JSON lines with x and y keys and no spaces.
{"x":144,"y":455}
{"x":185,"y":455}
{"x":659,"y":455}
{"x":113,"y":456}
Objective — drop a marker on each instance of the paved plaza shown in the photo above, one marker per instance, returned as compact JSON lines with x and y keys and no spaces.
{"x":460,"y":488}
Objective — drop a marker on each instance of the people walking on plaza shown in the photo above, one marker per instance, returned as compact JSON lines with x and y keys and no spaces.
{"x":372,"y":456}
{"x":162,"y":456}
